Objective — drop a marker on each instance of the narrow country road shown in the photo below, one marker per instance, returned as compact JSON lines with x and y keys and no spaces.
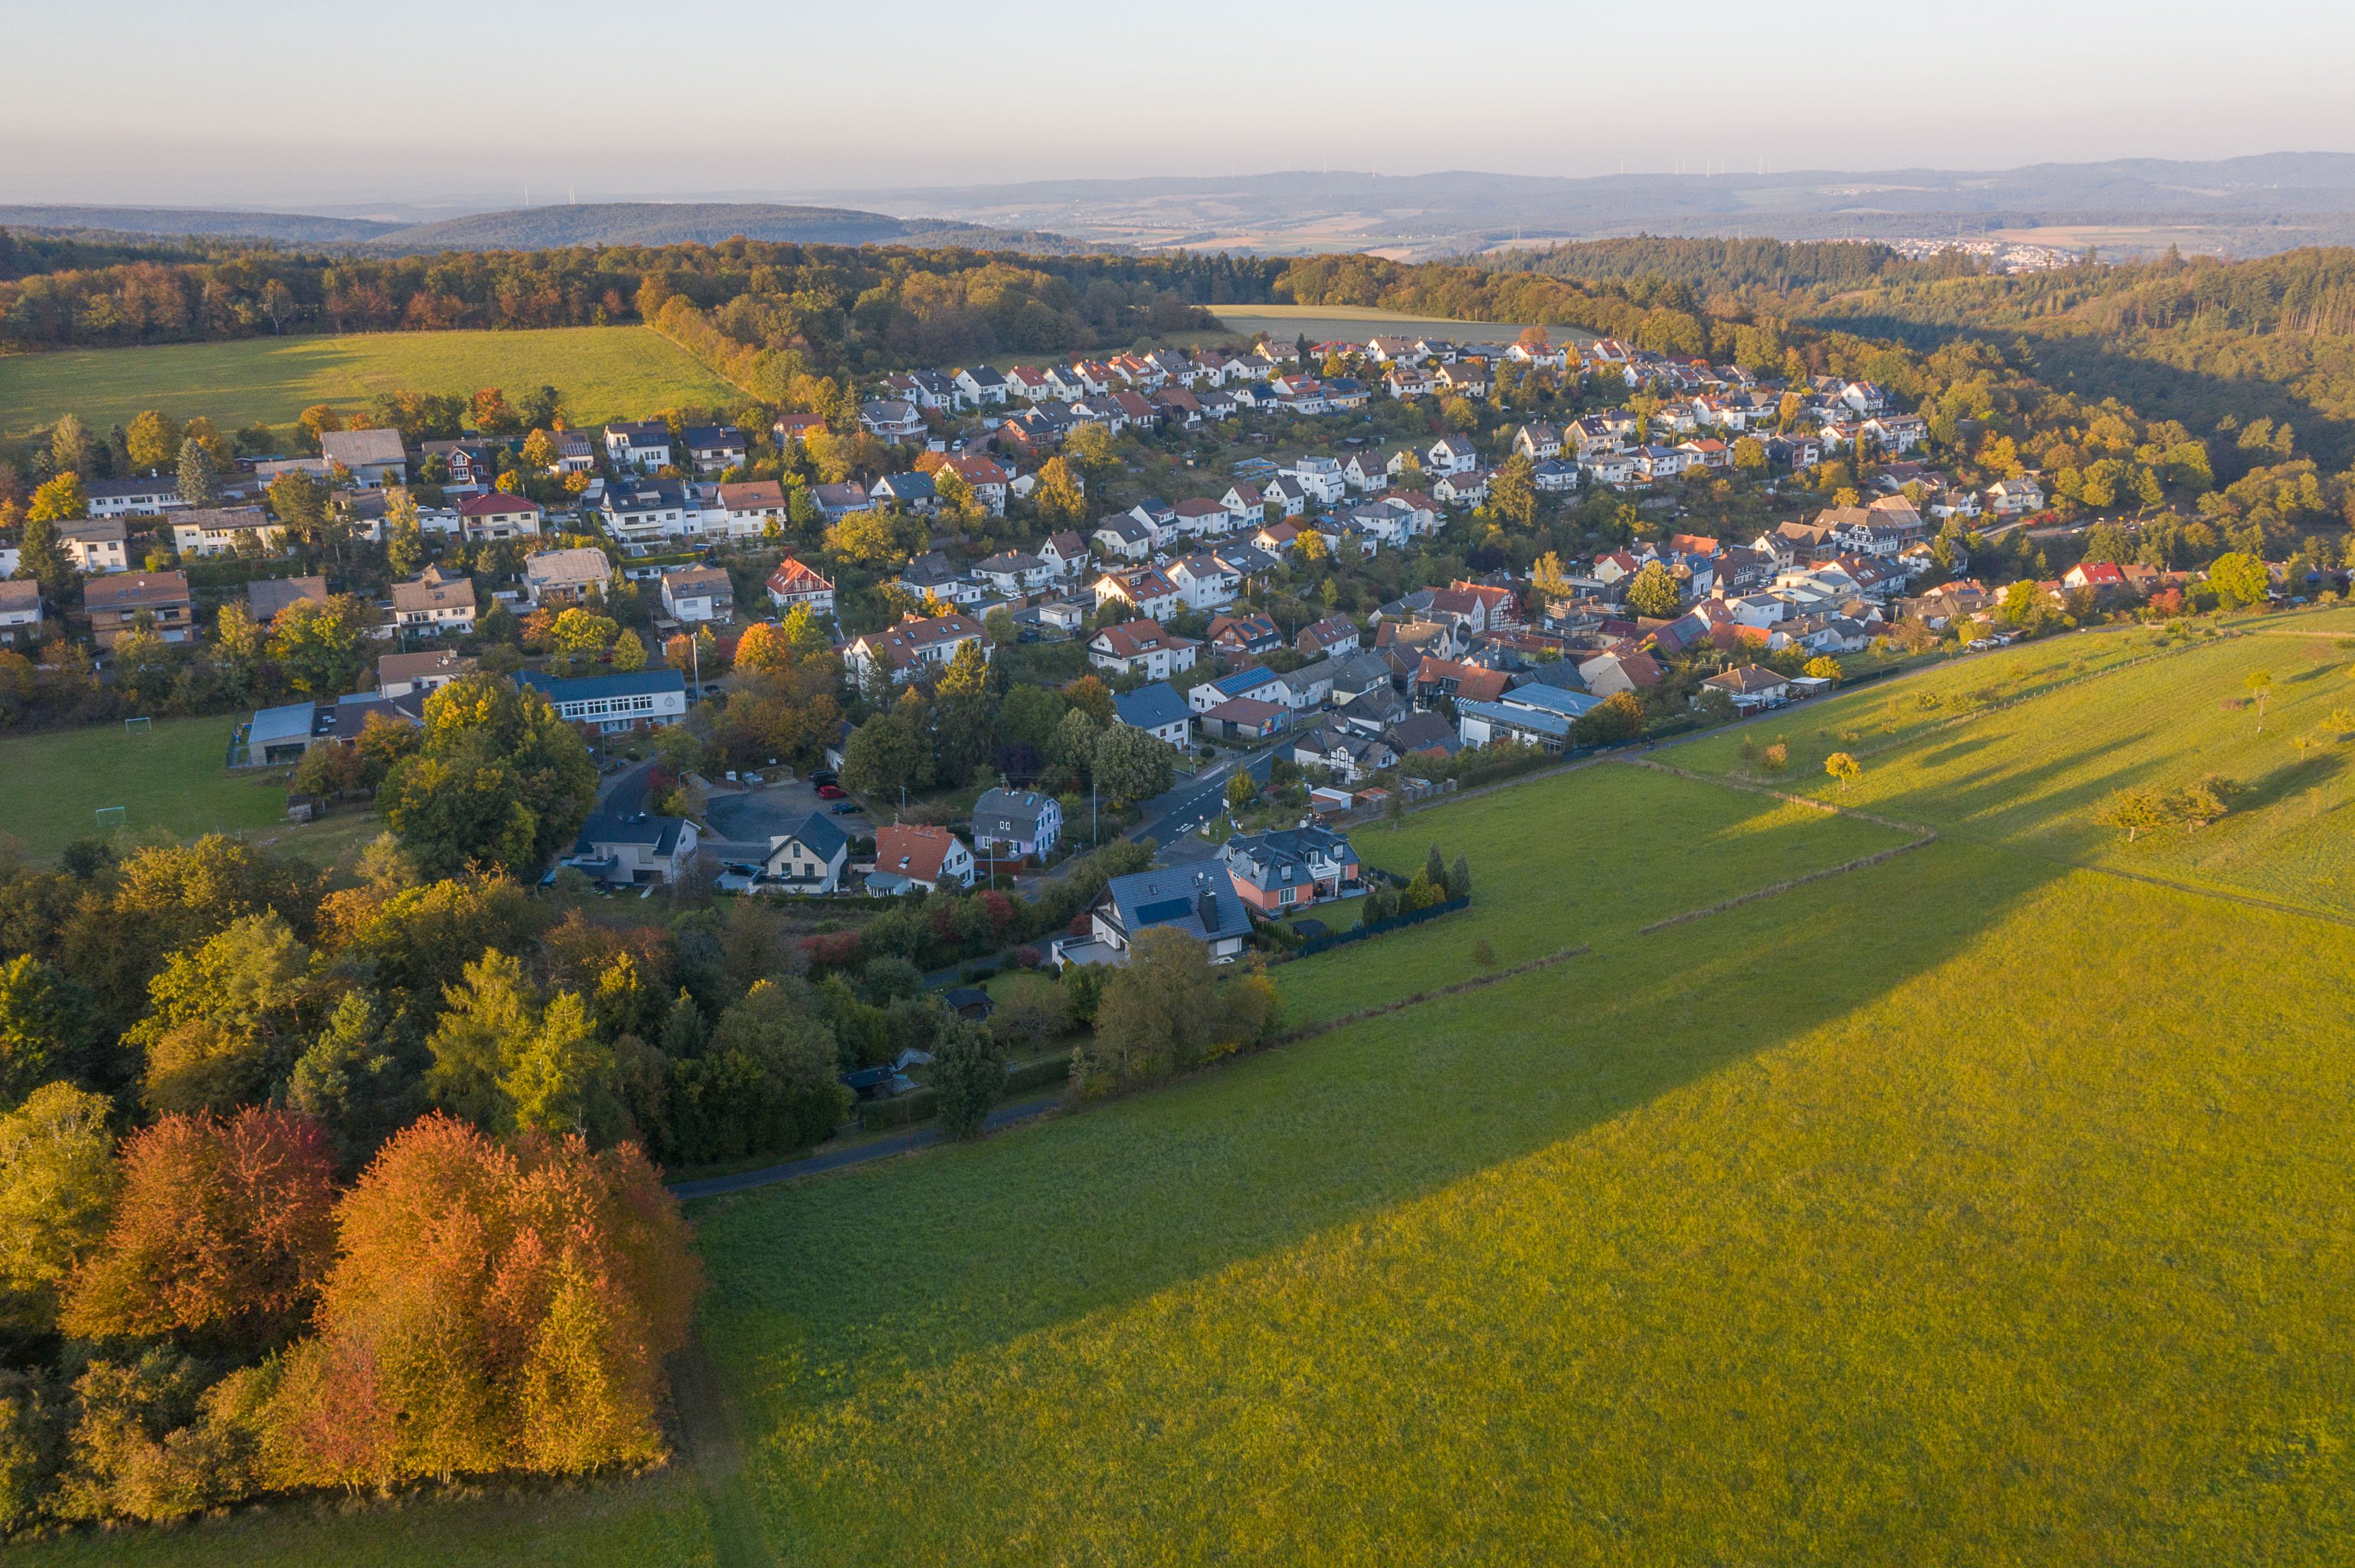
{"x":862,"y":1154}
{"x":1196,"y":798}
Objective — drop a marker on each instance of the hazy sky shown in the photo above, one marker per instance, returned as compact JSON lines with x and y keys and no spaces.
{"x":240,"y":101}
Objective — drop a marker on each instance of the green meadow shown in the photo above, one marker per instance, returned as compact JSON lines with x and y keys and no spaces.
{"x":1978,"y":1205}
{"x":605,"y":373}
{"x":2120,"y":707}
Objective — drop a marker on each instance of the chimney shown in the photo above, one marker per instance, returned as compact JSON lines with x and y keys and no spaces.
{"x":1207,"y":907}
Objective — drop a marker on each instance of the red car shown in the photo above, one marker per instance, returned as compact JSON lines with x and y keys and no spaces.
{"x":829,"y":791}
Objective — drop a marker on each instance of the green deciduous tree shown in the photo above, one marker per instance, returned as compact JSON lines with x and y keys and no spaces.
{"x":499,"y":781}
{"x":58,"y":1180}
{"x":1653,"y":592}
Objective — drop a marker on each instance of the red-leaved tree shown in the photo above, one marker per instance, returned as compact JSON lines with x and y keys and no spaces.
{"x":493,"y":1307}
{"x":223,"y":1233}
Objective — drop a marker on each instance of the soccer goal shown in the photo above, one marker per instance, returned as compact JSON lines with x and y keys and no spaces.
{"x":112,"y":820}
{"x":142,"y":725}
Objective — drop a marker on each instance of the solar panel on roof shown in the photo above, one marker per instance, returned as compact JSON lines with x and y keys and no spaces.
{"x":1163,"y":909}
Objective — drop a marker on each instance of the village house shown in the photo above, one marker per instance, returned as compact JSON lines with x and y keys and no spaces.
{"x":1350,"y":756}
{"x":99,"y":545}
{"x":1159,"y":710}
{"x":1198,"y":900}
{"x":1016,"y":824}
{"x":434,"y":603}
{"x":918,"y":647}
{"x":1144,"y":588}
{"x":795,"y":583}
{"x":498,"y":515}
{"x":399,"y":674}
{"x":20,"y":612}
{"x":749,"y":508}
{"x":265,"y":596}
{"x":1013,"y":573}
{"x":565,"y":577}
{"x":1291,"y":868}
{"x":921,"y":856}
{"x":639,"y":850}
{"x":1333,"y":634}
{"x":643,"y":445}
{"x":807,"y":861}
{"x":1237,"y":637}
{"x":202,"y":531}
{"x":374,"y":458}
{"x":1141,"y":647}
{"x":1750,"y":686}
{"x":115,"y":604}
{"x":132,"y":497}
{"x":1065,"y":553}
{"x":692,"y":594}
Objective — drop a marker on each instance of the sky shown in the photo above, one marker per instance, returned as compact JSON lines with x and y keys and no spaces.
{"x":243,"y":102}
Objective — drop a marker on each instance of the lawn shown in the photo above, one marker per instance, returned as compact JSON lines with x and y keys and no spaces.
{"x":2030,"y":775}
{"x":605,"y":373}
{"x":169,"y":779}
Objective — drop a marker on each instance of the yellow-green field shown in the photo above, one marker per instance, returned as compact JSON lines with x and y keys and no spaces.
{"x":2030,"y":776}
{"x":605,"y":373}
{"x":1357,"y":323}
{"x":1978,"y":1205}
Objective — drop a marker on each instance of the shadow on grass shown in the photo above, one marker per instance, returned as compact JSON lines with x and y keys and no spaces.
{"x":823,"y":1288}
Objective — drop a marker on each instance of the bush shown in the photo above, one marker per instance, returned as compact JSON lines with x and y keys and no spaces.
{"x":967,"y":1075}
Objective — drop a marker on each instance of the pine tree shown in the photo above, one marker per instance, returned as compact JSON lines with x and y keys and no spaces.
{"x":199,"y":474}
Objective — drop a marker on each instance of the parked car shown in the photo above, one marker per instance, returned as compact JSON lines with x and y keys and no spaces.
{"x":829,"y":791}
{"x":844,"y":808}
{"x":826,"y":776}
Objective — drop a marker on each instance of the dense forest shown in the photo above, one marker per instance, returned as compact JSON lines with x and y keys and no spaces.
{"x":1714,"y":267}
{"x":841,"y":309}
{"x":2215,"y":344}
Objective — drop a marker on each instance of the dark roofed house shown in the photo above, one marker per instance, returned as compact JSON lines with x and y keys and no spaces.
{"x":808,"y":859}
{"x":264,"y":599}
{"x":636,"y":850}
{"x":374,"y":457}
{"x":1198,"y":900}
{"x":1016,"y":824}
{"x":1291,"y":868}
{"x":1159,"y":710}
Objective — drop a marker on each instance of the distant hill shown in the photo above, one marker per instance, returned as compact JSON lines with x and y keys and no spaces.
{"x":173,"y":222}
{"x":2243,"y":206}
{"x":674,"y":223}
{"x":543,"y":228}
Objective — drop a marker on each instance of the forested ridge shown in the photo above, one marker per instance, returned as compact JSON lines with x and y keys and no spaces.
{"x":843,"y":309}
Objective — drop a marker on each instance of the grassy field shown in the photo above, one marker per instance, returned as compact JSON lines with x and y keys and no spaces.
{"x":2029,"y":776}
{"x":171,"y":783}
{"x":605,"y":373}
{"x":1285,"y":323}
{"x":1976,"y":1205}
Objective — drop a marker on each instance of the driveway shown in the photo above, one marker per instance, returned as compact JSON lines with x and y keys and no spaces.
{"x":756,"y":815}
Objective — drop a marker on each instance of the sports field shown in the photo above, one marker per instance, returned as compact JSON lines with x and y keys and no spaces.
{"x":604,"y":373}
{"x":168,"y":779}
{"x":1979,"y":1205}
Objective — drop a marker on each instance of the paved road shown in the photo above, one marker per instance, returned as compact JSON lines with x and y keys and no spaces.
{"x":860,"y":1154}
{"x":1196,"y":798}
